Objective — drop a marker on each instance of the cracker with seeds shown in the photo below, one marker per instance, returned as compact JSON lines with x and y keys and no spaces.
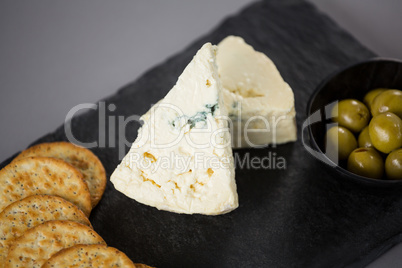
{"x":31,"y":211}
{"x":84,"y":256}
{"x":81,"y":158}
{"x":42,"y":175}
{"x":38,"y":244}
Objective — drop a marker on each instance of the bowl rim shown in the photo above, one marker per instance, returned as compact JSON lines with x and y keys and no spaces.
{"x":313,"y":142}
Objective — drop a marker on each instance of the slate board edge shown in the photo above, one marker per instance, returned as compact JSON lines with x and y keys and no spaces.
{"x":377,"y":252}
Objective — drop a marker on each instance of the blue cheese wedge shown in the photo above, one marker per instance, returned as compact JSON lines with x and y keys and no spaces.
{"x":259,"y":102}
{"x":182,"y":159}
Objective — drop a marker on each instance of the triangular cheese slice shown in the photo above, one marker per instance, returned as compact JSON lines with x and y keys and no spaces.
{"x":259,"y":102}
{"x":182,"y":159}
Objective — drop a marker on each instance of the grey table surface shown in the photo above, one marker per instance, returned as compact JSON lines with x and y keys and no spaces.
{"x":55,"y":55}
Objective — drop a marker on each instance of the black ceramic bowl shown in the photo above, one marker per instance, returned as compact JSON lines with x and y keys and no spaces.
{"x":352,"y":82}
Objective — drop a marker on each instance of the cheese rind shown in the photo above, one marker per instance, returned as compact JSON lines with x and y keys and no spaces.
{"x":260,"y":103}
{"x":182,"y":159}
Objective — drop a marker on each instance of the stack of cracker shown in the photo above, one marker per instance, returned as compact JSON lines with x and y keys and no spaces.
{"x":46,"y":196}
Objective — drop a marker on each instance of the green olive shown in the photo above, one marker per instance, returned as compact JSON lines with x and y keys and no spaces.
{"x":369,"y":97}
{"x":366,"y":162}
{"x":393,"y":165}
{"x":388,"y":101}
{"x":351,"y":114}
{"x":340,"y":142}
{"x":364,"y":138}
{"x":385,"y":132}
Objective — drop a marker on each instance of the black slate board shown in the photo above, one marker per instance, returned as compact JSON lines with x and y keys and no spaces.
{"x":299,"y":217}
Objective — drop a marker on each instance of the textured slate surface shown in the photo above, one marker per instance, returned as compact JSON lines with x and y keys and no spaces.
{"x":299,"y":217}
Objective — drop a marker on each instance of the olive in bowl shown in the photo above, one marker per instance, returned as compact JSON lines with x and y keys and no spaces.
{"x":352,"y":114}
{"x":393,"y":165}
{"x":385,"y":131}
{"x":387,"y":101}
{"x":370,"y":96}
{"x":364,"y":139}
{"x":340,"y":143}
{"x":366,"y":162}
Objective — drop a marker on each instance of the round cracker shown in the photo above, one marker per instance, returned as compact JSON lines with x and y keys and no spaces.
{"x":38,"y":244}
{"x":29,"y":212}
{"x":42,"y":175}
{"x":81,"y":158}
{"x":83,"y":256}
